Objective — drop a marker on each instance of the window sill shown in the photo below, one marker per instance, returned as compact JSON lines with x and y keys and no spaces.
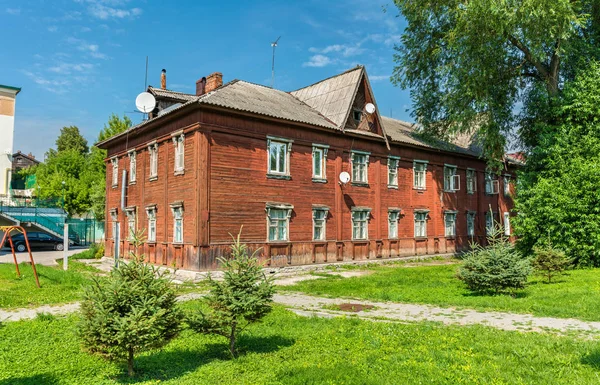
{"x":393,"y":186}
{"x":281,"y":177}
{"x":177,"y":244}
{"x":319,"y":180}
{"x":450,"y":191}
{"x":420,"y":239}
{"x":115,"y":186}
{"x":179,"y":172}
{"x":153,"y":178}
{"x":360,"y":184}
{"x":450,"y":237}
{"x":131,"y":183}
{"x":151,"y":243}
{"x":420,"y":188}
{"x":360,"y":241}
{"x":279,"y":243}
{"x":471,"y":192}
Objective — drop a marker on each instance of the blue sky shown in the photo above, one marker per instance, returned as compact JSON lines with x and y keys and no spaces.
{"x":78,"y":61}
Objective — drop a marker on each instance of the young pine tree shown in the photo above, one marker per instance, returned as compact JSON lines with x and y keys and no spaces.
{"x":549,"y":262}
{"x":131,"y":311}
{"x":243,"y":297}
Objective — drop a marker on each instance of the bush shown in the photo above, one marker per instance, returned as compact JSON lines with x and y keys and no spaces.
{"x":243,"y":297}
{"x":549,"y":262}
{"x":99,"y":251}
{"x":495,"y":268}
{"x":131,"y":311}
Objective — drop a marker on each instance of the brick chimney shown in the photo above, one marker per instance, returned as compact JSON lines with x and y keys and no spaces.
{"x":213,"y":81}
{"x":163,"y":79}
{"x":200,"y":86}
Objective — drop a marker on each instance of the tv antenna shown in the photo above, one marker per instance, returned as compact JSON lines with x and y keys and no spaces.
{"x":145,"y":101}
{"x":274,"y":45}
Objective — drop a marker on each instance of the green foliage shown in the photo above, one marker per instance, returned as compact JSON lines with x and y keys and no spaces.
{"x":469,"y":64}
{"x":114,"y":126}
{"x":95,"y":251}
{"x":243,"y":297}
{"x":291,"y":349}
{"x":70,"y":139}
{"x":131,"y":311}
{"x":557,"y":196}
{"x":495,"y":268}
{"x":549,"y":262}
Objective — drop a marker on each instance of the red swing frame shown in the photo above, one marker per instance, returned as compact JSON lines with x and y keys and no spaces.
{"x":7,"y":234}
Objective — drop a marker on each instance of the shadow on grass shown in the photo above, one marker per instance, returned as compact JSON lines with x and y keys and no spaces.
{"x":168,"y":365}
{"x":341,"y":374}
{"x":517,"y":295}
{"x":37,"y":379}
{"x":592,"y":359}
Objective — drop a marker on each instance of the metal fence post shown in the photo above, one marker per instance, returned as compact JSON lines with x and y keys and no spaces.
{"x":66,"y":247}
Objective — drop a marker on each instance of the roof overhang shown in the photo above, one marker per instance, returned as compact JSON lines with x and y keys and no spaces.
{"x":10,"y":89}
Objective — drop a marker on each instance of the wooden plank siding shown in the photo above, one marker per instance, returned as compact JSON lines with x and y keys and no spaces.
{"x":225,"y":186}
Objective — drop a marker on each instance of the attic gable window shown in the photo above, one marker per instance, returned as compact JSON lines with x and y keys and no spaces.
{"x":393,"y":162}
{"x":179,"y":143}
{"x":279,"y":150}
{"x":153,"y":151}
{"x":132,"y":167}
{"x":319,"y":154}
{"x":360,"y":164}
{"x":115,"y":172}
{"x":357,"y":115}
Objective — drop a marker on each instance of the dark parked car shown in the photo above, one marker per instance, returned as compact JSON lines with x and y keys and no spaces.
{"x":37,"y":240}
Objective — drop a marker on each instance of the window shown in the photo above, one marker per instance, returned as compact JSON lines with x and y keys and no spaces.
{"x":506,"y":185}
{"x":360,"y":223}
{"x":450,"y":224}
{"x":279,"y":156}
{"x":421,"y":224}
{"x":489,"y":223}
{"x":393,"y":171}
{"x":451,"y":179}
{"x":420,"y":174}
{"x":177,"y":211}
{"x":278,"y":221}
{"x":471,"y":181}
{"x":132,"y":166}
{"x":360,"y":162}
{"x":115,"y":172}
{"x":319,"y":162}
{"x":319,"y":219}
{"x":130,"y":212}
{"x":151,"y":213}
{"x":115,"y":219}
{"x":179,"y":142}
{"x":393,"y":215}
{"x":153,"y":151}
{"x":471,"y":224}
{"x":357,"y":115}
{"x":507,"y":224}
{"x":491,"y":184}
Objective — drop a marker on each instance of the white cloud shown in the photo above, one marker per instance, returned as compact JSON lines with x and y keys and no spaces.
{"x":343,"y":49}
{"x":57,"y":86}
{"x":111,"y":9}
{"x":13,"y":11}
{"x":68,"y":68}
{"x":92,"y":49}
{"x":378,"y":78}
{"x":318,"y":61}
{"x":52,"y":28}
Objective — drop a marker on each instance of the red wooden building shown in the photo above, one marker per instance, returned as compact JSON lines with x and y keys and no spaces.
{"x":239,"y":154}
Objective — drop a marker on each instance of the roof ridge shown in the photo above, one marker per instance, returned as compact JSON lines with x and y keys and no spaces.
{"x":359,"y":66}
{"x":174,"y":92}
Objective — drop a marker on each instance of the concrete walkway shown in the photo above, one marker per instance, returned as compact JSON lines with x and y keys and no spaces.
{"x":400,"y":312}
{"x":40,"y":257}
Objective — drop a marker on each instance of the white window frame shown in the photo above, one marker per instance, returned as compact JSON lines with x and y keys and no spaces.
{"x":492,"y":186}
{"x":132,"y":166}
{"x":471,"y":215}
{"x":153,"y":155}
{"x":115,"y":171}
{"x":451,"y":178}
{"x":393,"y":222}
{"x":274,"y":222}
{"x":489,"y":222}
{"x":506,"y":185}
{"x":179,"y":144}
{"x":177,"y":213}
{"x":471,"y":181}
{"x":418,"y":222}
{"x":151,"y":214}
{"x":507,"y":224}
{"x":286,"y":144}
{"x":114,"y":219}
{"x":360,"y":170}
{"x":393,"y":164}
{"x":360,"y":221}
{"x":130,"y":212}
{"x":450,"y":231}
{"x":420,"y":176}
{"x":321,"y":150}
{"x":319,"y":222}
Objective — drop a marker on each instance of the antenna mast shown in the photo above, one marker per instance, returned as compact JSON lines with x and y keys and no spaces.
{"x":273,"y":44}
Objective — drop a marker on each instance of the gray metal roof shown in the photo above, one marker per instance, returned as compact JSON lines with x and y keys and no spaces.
{"x":171,"y":94}
{"x":332,"y":97}
{"x":249,"y":97}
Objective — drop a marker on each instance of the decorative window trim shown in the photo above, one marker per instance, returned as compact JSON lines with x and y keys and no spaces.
{"x":315,"y":209}
{"x":287,"y":164}
{"x":506,"y":179}
{"x":492,"y":186}
{"x":131,"y":213}
{"x":153,"y":158}
{"x":506,"y":217}
{"x":393,"y":212}
{"x":471,"y":216}
{"x":473,"y":172}
{"x":450,"y":186}
{"x":420,"y":211}
{"x":114,"y":214}
{"x":179,"y":138}
{"x":415,"y":163}
{"x":359,"y":209}
{"x":174,"y":207}
{"x":366,"y":154}
{"x":115,"y":172}
{"x":279,"y":206}
{"x":132,"y":166}
{"x":324,"y":148}
{"x":454,"y":213}
{"x":151,"y":212}
{"x":393,"y":161}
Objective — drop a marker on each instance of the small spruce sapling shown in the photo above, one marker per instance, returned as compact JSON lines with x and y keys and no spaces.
{"x":549,"y":262}
{"x":131,"y":311}
{"x":244,"y":296}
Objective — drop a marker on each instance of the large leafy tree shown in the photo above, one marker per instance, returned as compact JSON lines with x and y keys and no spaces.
{"x":71,"y":139}
{"x":473,"y":64}
{"x":558,"y":199}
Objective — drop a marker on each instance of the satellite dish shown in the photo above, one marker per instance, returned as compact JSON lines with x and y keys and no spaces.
{"x":370,"y":107}
{"x":344,"y":177}
{"x":145,"y":102}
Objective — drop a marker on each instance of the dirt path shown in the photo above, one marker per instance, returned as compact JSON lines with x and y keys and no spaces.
{"x":401,"y":312}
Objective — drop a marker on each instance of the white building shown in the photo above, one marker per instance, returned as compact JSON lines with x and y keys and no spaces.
{"x":8,"y":97}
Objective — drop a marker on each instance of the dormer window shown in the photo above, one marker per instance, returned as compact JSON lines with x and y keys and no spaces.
{"x":357,"y":114}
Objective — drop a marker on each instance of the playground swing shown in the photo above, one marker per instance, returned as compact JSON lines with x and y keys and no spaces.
{"x":7,"y":234}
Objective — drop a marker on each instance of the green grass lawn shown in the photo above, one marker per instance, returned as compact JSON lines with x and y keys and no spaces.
{"x":289,"y":349}
{"x":58,"y":286}
{"x":576,"y":294}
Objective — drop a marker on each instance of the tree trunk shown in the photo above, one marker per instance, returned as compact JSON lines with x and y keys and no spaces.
{"x":232,"y":339}
{"x":130,"y":362}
